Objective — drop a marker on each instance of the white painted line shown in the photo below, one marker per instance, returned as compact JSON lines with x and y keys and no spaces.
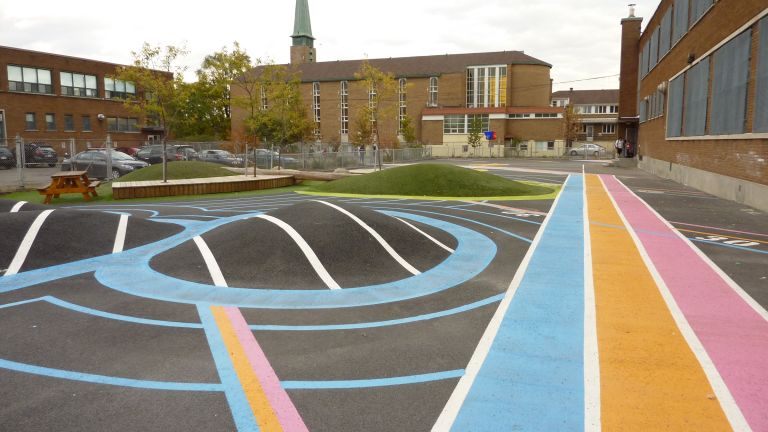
{"x":452,"y":407}
{"x":308,"y":252}
{"x":122,"y":227}
{"x":210,"y":261}
{"x":376,"y":236}
{"x":17,"y":206}
{"x":434,"y":240}
{"x":503,"y":207}
{"x":592,"y":419}
{"x":724,"y":396}
{"x":26,"y":243}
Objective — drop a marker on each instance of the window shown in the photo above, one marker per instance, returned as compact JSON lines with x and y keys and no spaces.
{"x":264,"y":100}
{"x":454,"y":124}
{"x":675,"y":111}
{"x":729,"y":86}
{"x":665,"y":33}
{"x":680,"y":22}
{"x":602,"y":109}
{"x":585,"y":109}
{"x":50,"y":121}
{"x":761,"y":102}
{"x":29,"y":80}
{"x":698,"y":9}
{"x":643,"y":110}
{"x":432,"y":99}
{"x":344,"y":107}
{"x":30,"y":121}
{"x":695,"y":108}
{"x":609,"y":128}
{"x":87,"y":123}
{"x":645,"y":59}
{"x":654,"y":49}
{"x":118,"y":89}
{"x":75,"y":84}
{"x":402,"y":100}
{"x":486,"y":86}
{"x":545,"y":115}
{"x":583,"y":128}
{"x":484,"y":120}
{"x":550,"y":145}
{"x":613,"y":109}
{"x":316,"y":107}
{"x":69,"y":122}
{"x":119,"y":124}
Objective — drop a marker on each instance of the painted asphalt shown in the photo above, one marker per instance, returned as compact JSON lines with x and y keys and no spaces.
{"x":628,"y":303}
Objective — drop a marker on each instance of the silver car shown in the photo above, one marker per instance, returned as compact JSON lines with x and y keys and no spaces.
{"x":587,"y":150}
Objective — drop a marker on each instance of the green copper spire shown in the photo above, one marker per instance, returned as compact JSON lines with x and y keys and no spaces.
{"x":302,"y":27}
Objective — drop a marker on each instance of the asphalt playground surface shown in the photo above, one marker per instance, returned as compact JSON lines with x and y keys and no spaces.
{"x":628,"y":303}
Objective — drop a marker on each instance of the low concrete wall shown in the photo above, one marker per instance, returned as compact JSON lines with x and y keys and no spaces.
{"x":742,"y":191}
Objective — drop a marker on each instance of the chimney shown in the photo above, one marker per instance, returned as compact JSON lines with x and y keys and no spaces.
{"x":632,"y":10}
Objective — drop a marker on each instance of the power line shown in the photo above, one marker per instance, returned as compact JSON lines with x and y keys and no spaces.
{"x":587,"y":79}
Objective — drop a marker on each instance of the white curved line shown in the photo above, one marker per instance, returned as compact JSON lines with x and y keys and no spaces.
{"x":17,"y":206}
{"x":26,"y":243}
{"x":122,"y":227}
{"x":308,"y":252}
{"x":210,"y":262}
{"x":434,"y":240}
{"x":378,"y":238}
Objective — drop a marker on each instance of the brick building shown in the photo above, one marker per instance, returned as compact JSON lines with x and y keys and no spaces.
{"x":597,"y":112}
{"x":702,"y":99}
{"x":510,"y":92}
{"x":51,"y":97}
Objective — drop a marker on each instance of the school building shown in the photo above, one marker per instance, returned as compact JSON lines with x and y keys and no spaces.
{"x":694,"y":90}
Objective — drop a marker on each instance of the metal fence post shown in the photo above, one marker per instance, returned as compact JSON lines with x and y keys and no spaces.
{"x":20,"y":159}
{"x":72,"y":154}
{"x":108,"y":145}
{"x":245,"y":158}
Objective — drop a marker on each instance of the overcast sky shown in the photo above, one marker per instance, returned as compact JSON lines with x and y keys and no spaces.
{"x":580,"y":38}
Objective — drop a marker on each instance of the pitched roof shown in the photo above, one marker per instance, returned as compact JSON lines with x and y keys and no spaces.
{"x":422,"y":66}
{"x":582,"y":97}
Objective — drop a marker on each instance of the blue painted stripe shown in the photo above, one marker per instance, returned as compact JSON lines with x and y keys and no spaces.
{"x":238,"y":403}
{"x":728,"y":246}
{"x":501,"y":216}
{"x":494,"y":228}
{"x":369,"y":383}
{"x":102,"y":379}
{"x":533,"y":376}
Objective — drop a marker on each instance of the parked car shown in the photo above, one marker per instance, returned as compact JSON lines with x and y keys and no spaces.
{"x":587,"y":150}
{"x":130,"y":151}
{"x":262,"y":158}
{"x":6,"y":158}
{"x":94,"y":161}
{"x":38,"y":155}
{"x":153,"y":154}
{"x":220,"y":156}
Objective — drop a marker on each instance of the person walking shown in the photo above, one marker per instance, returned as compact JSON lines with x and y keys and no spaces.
{"x":619,"y":145}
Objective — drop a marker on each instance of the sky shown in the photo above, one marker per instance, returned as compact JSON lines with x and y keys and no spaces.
{"x":580,"y":38}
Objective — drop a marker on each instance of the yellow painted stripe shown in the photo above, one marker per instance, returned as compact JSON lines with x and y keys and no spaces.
{"x":257,"y":399}
{"x":650,"y":380}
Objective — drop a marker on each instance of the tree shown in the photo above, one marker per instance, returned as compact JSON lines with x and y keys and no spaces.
{"x":382,"y":95}
{"x":363,"y":125}
{"x":407,"y":130}
{"x":475,"y":137}
{"x":571,"y":124}
{"x":160,"y":89}
{"x":284,"y":119}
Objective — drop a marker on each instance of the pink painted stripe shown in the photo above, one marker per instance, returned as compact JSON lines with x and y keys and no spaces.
{"x":733,"y":333}
{"x":286,"y":412}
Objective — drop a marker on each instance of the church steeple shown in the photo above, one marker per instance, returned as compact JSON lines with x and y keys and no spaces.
{"x":302,"y":49}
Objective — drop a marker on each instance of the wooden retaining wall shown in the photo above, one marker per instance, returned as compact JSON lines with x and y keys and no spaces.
{"x":152,"y":189}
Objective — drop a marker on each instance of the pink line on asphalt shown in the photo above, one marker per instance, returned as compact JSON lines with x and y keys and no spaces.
{"x":734,"y":335}
{"x":720,"y":229}
{"x":286,"y":412}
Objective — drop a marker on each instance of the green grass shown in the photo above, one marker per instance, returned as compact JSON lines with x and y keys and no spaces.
{"x":437,"y":180}
{"x":178,"y":171}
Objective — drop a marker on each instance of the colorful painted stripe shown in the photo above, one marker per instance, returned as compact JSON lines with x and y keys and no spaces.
{"x":533,"y":375}
{"x":731,"y":326}
{"x":649,"y":377}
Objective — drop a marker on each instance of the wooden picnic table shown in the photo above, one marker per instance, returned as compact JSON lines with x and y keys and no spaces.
{"x":69,"y":182}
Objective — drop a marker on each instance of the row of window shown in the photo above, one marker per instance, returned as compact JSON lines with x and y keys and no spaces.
{"x":597,"y":109}
{"x":486,"y":86}
{"x":114,"y":124}
{"x":675,"y":23}
{"x":36,"y":80}
{"x":606,"y":128}
{"x":461,"y":123}
{"x":534,"y":116}
{"x":711,"y":97}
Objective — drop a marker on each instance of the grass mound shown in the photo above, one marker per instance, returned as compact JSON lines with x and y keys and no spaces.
{"x":178,"y":171}
{"x":438,"y":180}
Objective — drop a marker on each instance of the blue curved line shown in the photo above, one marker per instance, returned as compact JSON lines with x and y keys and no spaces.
{"x":369,"y":383}
{"x":729,"y":246}
{"x":501,"y":216}
{"x":464,"y":219}
{"x":115,"y":381}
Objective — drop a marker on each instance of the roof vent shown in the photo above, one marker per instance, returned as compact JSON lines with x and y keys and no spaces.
{"x":632,"y":10}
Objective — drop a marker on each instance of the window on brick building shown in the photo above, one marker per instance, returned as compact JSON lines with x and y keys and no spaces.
{"x":75,"y":84}
{"x":454,"y":124}
{"x":665,"y":33}
{"x":675,"y":109}
{"x":264,"y":100}
{"x":402,"y":90}
{"x":30,"y":121}
{"x":680,"y":20}
{"x":729,"y":86}
{"x":486,"y":86}
{"x":118,"y":89}
{"x":119,"y":124}
{"x":761,"y":101}
{"x":316,"y":108}
{"x":86,"y":123}
{"x":432,"y":92}
{"x":609,"y":128}
{"x":344,"y":95}
{"x":69,"y":123}
{"x":602,"y":109}
{"x":50,"y":121}
{"x":696,"y":92}
{"x":29,"y":80}
{"x":698,"y":9}
{"x":653,"y":47}
{"x":613,"y":109}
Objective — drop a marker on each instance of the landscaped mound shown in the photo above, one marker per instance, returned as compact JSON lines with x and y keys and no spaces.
{"x":177,"y":171}
{"x":438,"y":180}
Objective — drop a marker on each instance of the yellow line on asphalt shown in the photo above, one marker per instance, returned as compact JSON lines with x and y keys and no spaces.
{"x":266,"y":417}
{"x":650,"y":380}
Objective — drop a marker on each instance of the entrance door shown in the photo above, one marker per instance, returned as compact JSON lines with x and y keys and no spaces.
{"x":590,"y":132}
{"x":2,"y":127}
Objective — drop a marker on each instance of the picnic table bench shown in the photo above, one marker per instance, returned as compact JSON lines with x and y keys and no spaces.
{"x":69,"y":182}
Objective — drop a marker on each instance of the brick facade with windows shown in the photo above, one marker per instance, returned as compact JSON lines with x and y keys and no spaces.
{"x":701,"y":79}
{"x":79,"y":111}
{"x":596,"y":110}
